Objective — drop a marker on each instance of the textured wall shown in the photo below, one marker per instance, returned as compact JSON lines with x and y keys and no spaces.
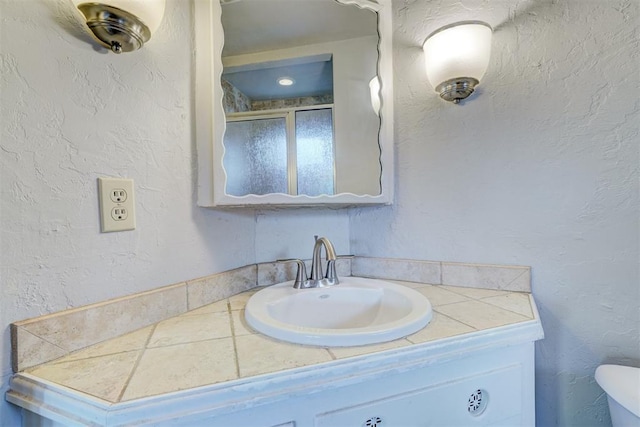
{"x":71,"y":112}
{"x":540,"y":168}
{"x":289,"y":233}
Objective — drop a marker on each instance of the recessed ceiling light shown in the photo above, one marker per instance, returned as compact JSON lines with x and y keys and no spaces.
{"x":286,"y":81}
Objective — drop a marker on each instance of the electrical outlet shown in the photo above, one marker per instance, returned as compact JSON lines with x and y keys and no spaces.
{"x":116,"y":204}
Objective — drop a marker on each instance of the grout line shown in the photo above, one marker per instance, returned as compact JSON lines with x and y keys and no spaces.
{"x":457,"y":320}
{"x":177,"y":344}
{"x":186,"y":289}
{"x":255,"y":282}
{"x":493,"y":296}
{"x":95,"y":356}
{"x":136,"y":364}
{"x":441,"y":268}
{"x":459,"y":293}
{"x":233,"y":338}
{"x":333,"y":356}
{"x":417,"y":342}
{"x":529,"y":316}
{"x":204,"y":313}
{"x":459,"y":290}
{"x":47,"y":341}
{"x":517,"y":277}
{"x":451,"y":303}
{"x":19,"y":364}
{"x":433,"y":305}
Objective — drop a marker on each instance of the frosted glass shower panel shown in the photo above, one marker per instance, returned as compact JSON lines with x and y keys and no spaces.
{"x":315,"y":152}
{"x":255,"y":157}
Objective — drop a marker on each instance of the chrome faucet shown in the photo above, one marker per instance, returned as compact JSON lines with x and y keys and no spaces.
{"x":317,"y":279}
{"x":330,"y":278}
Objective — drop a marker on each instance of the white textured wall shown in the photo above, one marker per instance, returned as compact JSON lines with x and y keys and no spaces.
{"x":70,"y":113}
{"x":289,"y":233}
{"x":540,"y":169}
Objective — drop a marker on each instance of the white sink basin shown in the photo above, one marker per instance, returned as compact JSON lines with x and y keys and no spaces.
{"x":358,"y":311}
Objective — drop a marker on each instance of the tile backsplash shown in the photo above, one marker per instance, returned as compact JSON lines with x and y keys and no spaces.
{"x":45,"y":338}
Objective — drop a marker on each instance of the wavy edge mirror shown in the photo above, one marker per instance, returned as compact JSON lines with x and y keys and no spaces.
{"x":210,"y":117}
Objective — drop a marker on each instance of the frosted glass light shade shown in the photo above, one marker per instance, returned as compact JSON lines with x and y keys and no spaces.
{"x":458,"y":51}
{"x":122,"y":25}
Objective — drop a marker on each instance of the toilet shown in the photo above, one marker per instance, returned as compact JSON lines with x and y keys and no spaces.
{"x":622,"y":385}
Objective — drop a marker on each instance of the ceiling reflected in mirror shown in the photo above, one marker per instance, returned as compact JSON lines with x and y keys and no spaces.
{"x":302,"y":77}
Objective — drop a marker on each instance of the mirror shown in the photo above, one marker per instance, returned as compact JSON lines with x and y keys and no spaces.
{"x":293,"y":102}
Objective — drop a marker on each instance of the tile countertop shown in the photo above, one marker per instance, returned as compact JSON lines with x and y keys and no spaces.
{"x":213,"y":345}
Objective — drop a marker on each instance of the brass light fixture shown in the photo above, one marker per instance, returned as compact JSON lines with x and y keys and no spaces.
{"x":456,"y":58}
{"x":122,"y":25}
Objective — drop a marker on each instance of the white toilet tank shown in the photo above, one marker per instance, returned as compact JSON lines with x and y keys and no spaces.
{"x":622,"y":385}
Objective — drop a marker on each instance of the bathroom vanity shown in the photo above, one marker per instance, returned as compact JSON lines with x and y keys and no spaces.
{"x":472,"y":365}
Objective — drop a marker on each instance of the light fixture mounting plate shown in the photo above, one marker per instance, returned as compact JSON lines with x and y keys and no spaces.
{"x":115,"y":28}
{"x":457,"y":89}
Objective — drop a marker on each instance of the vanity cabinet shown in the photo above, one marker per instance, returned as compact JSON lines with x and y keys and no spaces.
{"x":473,"y":365}
{"x":493,"y":386}
{"x":490,"y":388}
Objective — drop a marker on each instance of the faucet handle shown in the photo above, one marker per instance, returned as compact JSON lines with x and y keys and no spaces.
{"x":301,"y":273}
{"x":332,"y":275}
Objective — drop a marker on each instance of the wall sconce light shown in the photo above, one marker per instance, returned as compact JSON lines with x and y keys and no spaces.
{"x":456,"y":58}
{"x":122,"y":25}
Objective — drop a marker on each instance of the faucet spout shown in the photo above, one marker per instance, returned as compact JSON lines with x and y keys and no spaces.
{"x":316,"y":262}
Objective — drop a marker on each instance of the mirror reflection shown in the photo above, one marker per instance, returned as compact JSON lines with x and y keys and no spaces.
{"x":297,"y":98}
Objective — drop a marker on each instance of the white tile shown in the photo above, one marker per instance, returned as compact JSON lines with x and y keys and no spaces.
{"x":439,"y":327}
{"x":125,"y":343}
{"x":237,"y":302}
{"x":512,"y":278}
{"x":29,"y":350}
{"x":440,"y":296}
{"x":396,"y":269}
{"x":474,"y":293}
{"x":215,"y":307}
{"x":182,"y":366}
{"x":217,"y":287}
{"x":271,"y":273}
{"x":240,"y":326}
{"x":411,"y":285}
{"x":516,"y":302}
{"x":103,"y":377}
{"x":260,"y":355}
{"x":191,"y":328}
{"x":79,"y":328}
{"x":480,"y":315}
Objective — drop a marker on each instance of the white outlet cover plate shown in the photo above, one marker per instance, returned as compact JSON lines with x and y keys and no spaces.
{"x":117,"y":211}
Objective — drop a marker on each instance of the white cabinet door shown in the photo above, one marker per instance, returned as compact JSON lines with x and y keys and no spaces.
{"x":477,"y":400}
